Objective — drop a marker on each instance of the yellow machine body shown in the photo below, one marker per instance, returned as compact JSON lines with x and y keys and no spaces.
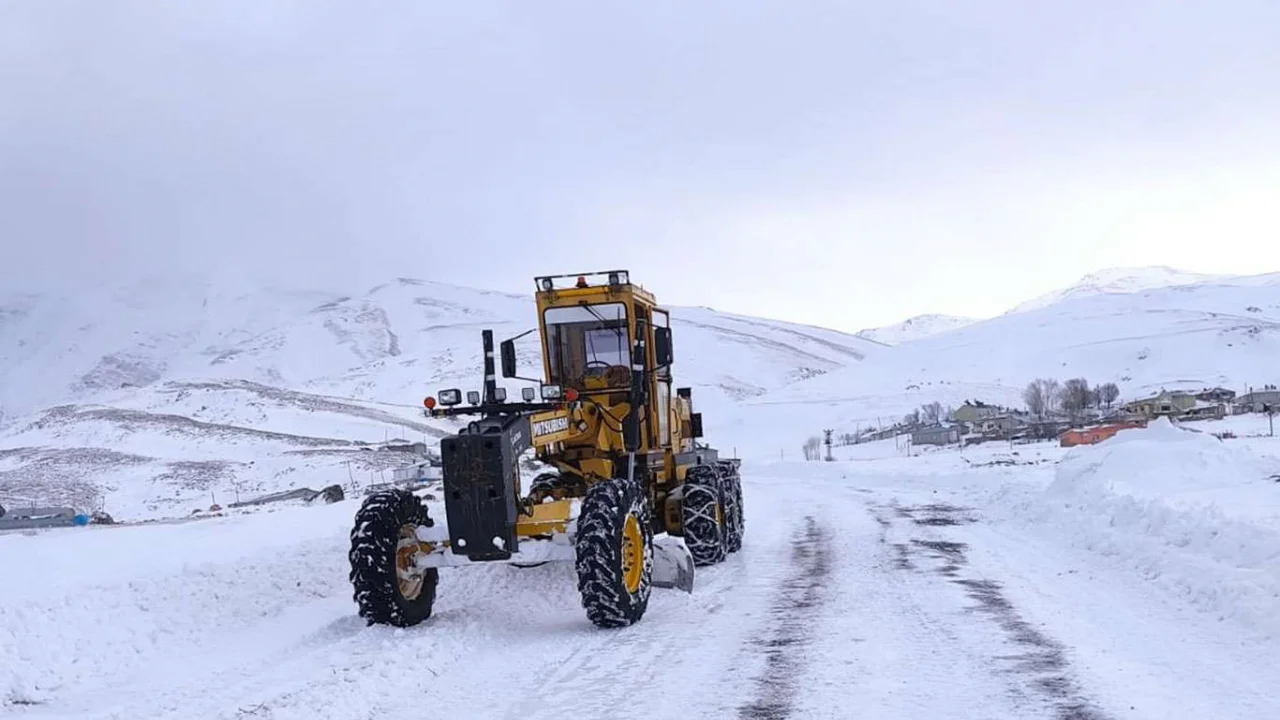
{"x":630,"y":496}
{"x":593,"y":364}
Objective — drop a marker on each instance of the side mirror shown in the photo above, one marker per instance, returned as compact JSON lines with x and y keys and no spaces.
{"x":508,"y":352}
{"x":662,"y":345}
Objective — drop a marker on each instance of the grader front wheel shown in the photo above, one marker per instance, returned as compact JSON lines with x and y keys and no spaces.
{"x":614,"y":553}
{"x":389,"y":590}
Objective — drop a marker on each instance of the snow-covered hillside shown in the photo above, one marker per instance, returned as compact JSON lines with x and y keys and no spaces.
{"x":920,"y":326}
{"x":172,"y":394}
{"x":1110,"y":281}
{"x":987,"y":584}
{"x":1225,"y":333}
{"x":1119,"y":281}
{"x":159,"y":397}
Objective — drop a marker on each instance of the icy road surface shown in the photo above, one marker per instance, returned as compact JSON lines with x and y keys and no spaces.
{"x":857,"y":594}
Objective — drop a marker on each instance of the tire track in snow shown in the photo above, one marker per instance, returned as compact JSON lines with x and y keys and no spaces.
{"x":1040,"y":658}
{"x":685,"y":645}
{"x":793,"y":611}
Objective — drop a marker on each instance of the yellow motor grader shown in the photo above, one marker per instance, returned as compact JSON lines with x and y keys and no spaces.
{"x":633,"y":498}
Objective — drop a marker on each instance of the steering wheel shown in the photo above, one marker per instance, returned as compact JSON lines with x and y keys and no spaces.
{"x":611,"y":375}
{"x":596,"y":363}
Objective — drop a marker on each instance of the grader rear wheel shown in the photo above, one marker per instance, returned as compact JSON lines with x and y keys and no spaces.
{"x":555,"y":486}
{"x":702,"y":515}
{"x":543,"y":486}
{"x":614,"y":553}
{"x":731,"y":492}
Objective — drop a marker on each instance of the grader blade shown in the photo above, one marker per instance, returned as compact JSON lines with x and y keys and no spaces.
{"x":672,"y":564}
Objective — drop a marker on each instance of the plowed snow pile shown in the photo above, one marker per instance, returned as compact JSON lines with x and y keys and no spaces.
{"x":1195,"y":514}
{"x":96,"y":608}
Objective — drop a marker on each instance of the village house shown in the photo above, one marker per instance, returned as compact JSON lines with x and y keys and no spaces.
{"x":971,"y":413}
{"x":1258,"y":400}
{"x":1167,"y":403}
{"x":1206,"y":410}
{"x":937,"y":435}
{"x":1046,"y":429}
{"x":1216,"y":395}
{"x":1003,"y":425}
{"x":1094,"y":434}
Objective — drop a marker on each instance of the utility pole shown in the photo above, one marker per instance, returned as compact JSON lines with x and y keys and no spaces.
{"x":827,"y":433}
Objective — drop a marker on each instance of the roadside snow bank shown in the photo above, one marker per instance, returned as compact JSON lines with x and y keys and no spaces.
{"x":1193,"y":514}
{"x":97,"y":607}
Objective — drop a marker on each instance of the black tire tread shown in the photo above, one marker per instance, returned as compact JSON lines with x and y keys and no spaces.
{"x":735,"y":521}
{"x":599,"y":555}
{"x":374,"y":537}
{"x":704,"y":537}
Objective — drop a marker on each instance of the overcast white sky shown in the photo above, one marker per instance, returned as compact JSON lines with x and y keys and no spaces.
{"x":841,"y":163}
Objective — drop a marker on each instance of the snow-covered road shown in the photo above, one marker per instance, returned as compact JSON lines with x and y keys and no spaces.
{"x":857,"y":594}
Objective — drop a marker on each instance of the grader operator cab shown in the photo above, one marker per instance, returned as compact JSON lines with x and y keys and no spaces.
{"x":632,"y":498}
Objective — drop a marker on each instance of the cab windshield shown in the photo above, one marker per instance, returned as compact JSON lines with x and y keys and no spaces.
{"x":587,"y":346}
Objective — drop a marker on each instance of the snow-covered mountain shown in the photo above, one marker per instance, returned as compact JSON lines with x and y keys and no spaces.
{"x":920,"y":326}
{"x":1122,"y":280}
{"x":1111,"y":281}
{"x":154,"y":395}
{"x":1222,"y":333}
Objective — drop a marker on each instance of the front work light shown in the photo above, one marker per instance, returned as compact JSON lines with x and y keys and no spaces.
{"x":619,"y":278}
{"x":528,"y":394}
{"x":550,"y":392}
{"x":450,"y":397}
{"x":473,"y":397}
{"x":500,"y":394}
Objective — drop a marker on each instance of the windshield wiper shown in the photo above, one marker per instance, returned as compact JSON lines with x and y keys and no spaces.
{"x":617,"y":330}
{"x":593,"y":312}
{"x":604,"y":324}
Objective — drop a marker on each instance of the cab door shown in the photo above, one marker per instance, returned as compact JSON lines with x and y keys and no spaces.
{"x":662,"y":381}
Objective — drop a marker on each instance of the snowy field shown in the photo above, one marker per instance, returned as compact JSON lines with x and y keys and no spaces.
{"x":152,"y":400}
{"x":1139,"y":578}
